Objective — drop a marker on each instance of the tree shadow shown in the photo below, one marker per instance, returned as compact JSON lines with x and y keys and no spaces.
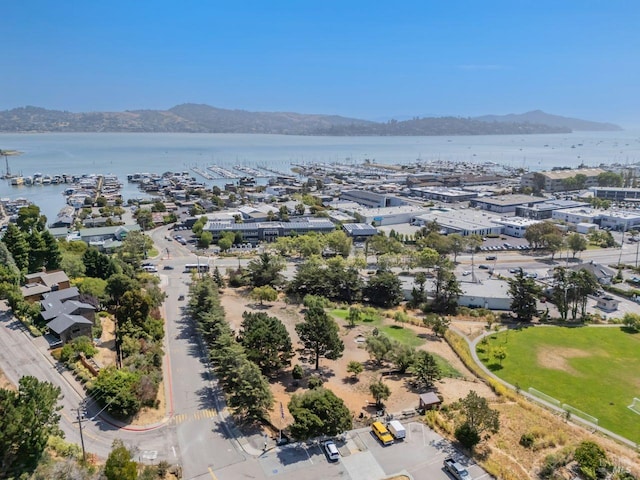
{"x":495,"y":367}
{"x":629,"y":330}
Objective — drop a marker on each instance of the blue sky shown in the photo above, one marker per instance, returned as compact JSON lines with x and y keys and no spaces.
{"x":365,"y":59}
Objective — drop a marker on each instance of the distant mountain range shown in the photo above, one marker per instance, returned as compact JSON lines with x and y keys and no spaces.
{"x":194,"y":118}
{"x":540,"y":117}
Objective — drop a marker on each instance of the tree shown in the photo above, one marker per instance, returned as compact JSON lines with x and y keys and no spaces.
{"x":499,"y":354}
{"x":97,"y":264}
{"x":425,"y":369}
{"x":378,"y":347}
{"x":447,"y":288}
{"x":119,"y":464}
{"x":318,"y":412}
{"x":28,"y":418}
{"x":539,"y":234}
{"x":591,"y":457}
{"x":250,"y":395}
{"x":553,"y":242}
{"x":116,"y":390}
{"x":266,"y":341}
{"x":610,"y":179}
{"x":380,"y":392}
{"x":354,"y":368}
{"x":439,"y":325}
{"x":384,"y":289}
{"x":576,"y":243}
{"x":320,"y":334}
{"x":118,"y":284}
{"x":134,"y":248}
{"x":457,"y":245}
{"x":479,"y":420}
{"x":338,"y":242}
{"x":631,"y":321}
{"x":402,"y":356}
{"x":53,"y":257}
{"x":17,"y":245}
{"x":144,"y":217}
{"x":263,"y":294}
{"x":300,"y":209}
{"x":265,"y":270}
{"x":30,"y":220}
{"x":524,"y":293}
{"x":354,"y":316}
{"x":206,"y":238}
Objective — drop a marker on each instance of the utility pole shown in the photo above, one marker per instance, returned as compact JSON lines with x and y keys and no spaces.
{"x":81,"y":411}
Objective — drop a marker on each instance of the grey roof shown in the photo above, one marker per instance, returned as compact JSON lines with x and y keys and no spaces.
{"x":49,"y":278}
{"x":357,"y":229}
{"x":429,"y":398}
{"x":62,"y":295}
{"x":507,"y":200}
{"x":64,"y":322}
{"x":53,"y":309}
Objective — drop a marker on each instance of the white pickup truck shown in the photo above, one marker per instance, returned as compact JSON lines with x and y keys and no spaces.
{"x":455,"y":469}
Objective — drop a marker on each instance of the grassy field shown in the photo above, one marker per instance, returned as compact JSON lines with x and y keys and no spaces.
{"x":596,"y":370}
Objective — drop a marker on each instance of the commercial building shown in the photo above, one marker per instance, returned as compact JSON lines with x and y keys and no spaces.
{"x":385,"y":216}
{"x":461,"y":221}
{"x":556,"y":180}
{"x":268,"y":231}
{"x":359,"y":231}
{"x":492,"y":294}
{"x":443,"y":194}
{"x":515,"y":226}
{"x":505,"y":203}
{"x":616,"y":194}
{"x":544,"y":210}
{"x":622,"y":220}
{"x":371,"y":199}
{"x":576,"y":215}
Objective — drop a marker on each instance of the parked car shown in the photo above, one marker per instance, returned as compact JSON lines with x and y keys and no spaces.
{"x":484,"y":267}
{"x":465,"y":273}
{"x":331,"y":450}
{"x":455,"y":469}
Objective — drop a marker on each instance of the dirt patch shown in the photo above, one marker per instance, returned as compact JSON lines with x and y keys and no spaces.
{"x":5,"y":383}
{"x":107,"y":349}
{"x":149,"y":416}
{"x":354,"y":392}
{"x":556,"y":358}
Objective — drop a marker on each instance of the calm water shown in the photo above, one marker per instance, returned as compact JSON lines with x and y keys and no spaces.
{"x":122,"y":154}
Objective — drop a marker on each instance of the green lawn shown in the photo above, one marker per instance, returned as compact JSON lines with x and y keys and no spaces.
{"x":373,"y":320}
{"x":402,"y":335}
{"x":596,"y":370}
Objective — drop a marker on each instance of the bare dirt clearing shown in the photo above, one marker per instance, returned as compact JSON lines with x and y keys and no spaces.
{"x":556,"y":358}
{"x":355,"y":393}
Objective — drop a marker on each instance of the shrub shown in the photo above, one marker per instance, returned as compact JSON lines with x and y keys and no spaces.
{"x":527,"y":440}
{"x":297,"y":373}
{"x":315,"y":382}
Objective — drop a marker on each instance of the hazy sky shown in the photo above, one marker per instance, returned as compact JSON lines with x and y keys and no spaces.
{"x":368,"y":59}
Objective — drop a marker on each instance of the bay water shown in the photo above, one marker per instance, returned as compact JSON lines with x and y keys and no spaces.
{"x":127,"y":153}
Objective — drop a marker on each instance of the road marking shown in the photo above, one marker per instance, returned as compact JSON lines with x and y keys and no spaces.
{"x":212,"y":474}
{"x":199,"y":415}
{"x":174,"y":451}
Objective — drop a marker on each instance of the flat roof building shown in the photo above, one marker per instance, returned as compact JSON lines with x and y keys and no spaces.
{"x":505,"y":203}
{"x":371,"y":199}
{"x":463,"y":221}
{"x":616,"y":194}
{"x":544,"y":210}
{"x":515,"y":226}
{"x":443,"y":194}
{"x":556,"y":180}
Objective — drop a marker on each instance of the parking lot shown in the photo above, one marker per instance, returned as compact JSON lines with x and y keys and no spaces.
{"x":363,"y":457}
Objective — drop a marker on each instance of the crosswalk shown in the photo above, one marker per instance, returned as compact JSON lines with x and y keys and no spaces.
{"x":199,"y":415}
